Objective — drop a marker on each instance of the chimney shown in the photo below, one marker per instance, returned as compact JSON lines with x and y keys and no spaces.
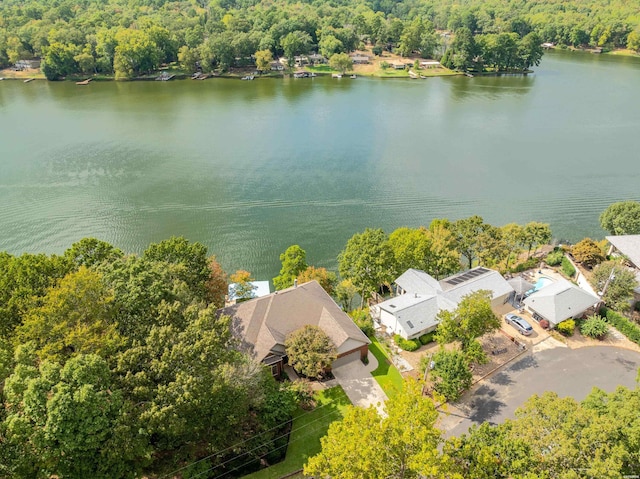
{"x":295,"y":283}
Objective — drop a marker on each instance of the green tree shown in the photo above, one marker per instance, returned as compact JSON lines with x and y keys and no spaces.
{"x":294,"y":262}
{"x":341,"y":62}
{"x":263,"y":60}
{"x":451,"y":374}
{"x":90,"y":252}
{"x":587,"y":252}
{"x":633,"y":40}
{"x":466,"y":232}
{"x":345,"y":292}
{"x":491,"y":246}
{"x":616,"y":282}
{"x":530,"y":51}
{"x":329,"y":46}
{"x":411,"y":249}
{"x":310,"y":351}
{"x":295,"y":43}
{"x":513,"y":235}
{"x":402,"y":443}
{"x":135,"y":53}
{"x":536,"y":234}
{"x":217,"y":285}
{"x":326,"y":279}
{"x":471,"y":319}
{"x":622,"y":218}
{"x":462,"y":51}
{"x":243,"y":289}
{"x":367,"y":261}
{"x":75,"y":317}
{"x":188,"y":58}
{"x":59,"y":61}
{"x":445,"y":257}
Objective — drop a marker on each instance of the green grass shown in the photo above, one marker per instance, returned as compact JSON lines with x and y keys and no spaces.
{"x":386,"y":374}
{"x":320,"y":69}
{"x":308,"y":428}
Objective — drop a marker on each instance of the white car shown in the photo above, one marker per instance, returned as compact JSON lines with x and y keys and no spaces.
{"x":520,"y":324}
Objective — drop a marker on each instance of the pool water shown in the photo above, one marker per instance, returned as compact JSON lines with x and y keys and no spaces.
{"x":542,"y":282}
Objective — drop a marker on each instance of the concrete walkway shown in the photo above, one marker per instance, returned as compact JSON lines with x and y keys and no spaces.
{"x":358,"y":383}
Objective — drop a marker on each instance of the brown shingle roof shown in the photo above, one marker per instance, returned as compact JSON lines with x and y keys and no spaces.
{"x":262,"y":324}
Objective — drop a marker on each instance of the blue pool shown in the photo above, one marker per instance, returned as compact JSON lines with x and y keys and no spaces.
{"x":542,"y":282}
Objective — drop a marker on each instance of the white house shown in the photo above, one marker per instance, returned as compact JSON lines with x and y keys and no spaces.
{"x":559,"y":301}
{"x":419,"y":298}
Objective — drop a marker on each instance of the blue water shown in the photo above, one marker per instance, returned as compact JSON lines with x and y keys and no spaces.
{"x":542,"y":282}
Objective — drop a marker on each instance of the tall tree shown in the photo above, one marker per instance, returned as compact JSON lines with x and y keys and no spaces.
{"x":411,"y":249}
{"x":616,"y":282}
{"x":513,"y":235}
{"x":263,"y":60}
{"x":341,"y":62}
{"x":622,"y":218}
{"x":587,"y":252}
{"x":467,"y":231}
{"x":471,"y":319}
{"x":536,"y":234}
{"x":445,"y":257}
{"x":402,"y":443}
{"x":367,"y":261}
{"x":326,"y":279}
{"x":294,"y":262}
{"x":91,"y":251}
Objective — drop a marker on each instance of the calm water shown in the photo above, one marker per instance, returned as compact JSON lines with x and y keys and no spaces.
{"x":249,"y":168}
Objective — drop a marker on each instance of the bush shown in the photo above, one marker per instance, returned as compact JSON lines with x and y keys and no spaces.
{"x":567,"y":267}
{"x":377,"y":50}
{"x":363,"y":320}
{"x":622,"y":324}
{"x":594,"y":327}
{"x":554,"y":258}
{"x":567,"y":327}
{"x":544,"y":324}
{"x":531,"y":263}
{"x":406,"y":344}
{"x":427,"y":338}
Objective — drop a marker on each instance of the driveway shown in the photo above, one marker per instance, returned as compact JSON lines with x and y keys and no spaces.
{"x":358,"y":383}
{"x":562,"y":370}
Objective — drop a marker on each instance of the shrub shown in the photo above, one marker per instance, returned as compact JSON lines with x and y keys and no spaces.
{"x":567,"y":267}
{"x":363,"y":320}
{"x":377,"y":50}
{"x":406,"y":344}
{"x":544,"y":324}
{"x":531,"y":263}
{"x":594,"y":327}
{"x":554,"y":258}
{"x":622,"y":324}
{"x":566,"y":327}
{"x":384,"y":65}
{"x":427,"y":338}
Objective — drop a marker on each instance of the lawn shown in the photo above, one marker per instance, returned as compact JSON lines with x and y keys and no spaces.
{"x":308,"y":428}
{"x":386,"y":374}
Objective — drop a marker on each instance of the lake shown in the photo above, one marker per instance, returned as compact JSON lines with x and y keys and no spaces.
{"x":249,"y":168}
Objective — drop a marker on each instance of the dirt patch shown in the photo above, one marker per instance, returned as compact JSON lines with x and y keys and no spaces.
{"x":500,"y":349}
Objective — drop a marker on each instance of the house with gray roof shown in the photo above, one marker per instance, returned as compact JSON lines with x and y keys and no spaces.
{"x":420,"y":297}
{"x":559,"y":301}
{"x":262,"y":324}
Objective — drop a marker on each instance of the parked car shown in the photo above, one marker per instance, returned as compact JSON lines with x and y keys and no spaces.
{"x":519,"y":323}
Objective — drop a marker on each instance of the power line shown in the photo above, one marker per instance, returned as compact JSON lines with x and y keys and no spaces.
{"x":242,"y":442}
{"x":260,"y":446}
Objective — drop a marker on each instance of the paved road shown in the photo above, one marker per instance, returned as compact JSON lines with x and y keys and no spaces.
{"x":565,"y":371}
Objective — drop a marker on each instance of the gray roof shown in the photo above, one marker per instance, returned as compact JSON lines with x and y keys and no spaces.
{"x":489,"y":280}
{"x":628,"y":245}
{"x":416,"y":312}
{"x":520,"y":285}
{"x":262,"y":324}
{"x":417,"y":281}
{"x":560,"y":300}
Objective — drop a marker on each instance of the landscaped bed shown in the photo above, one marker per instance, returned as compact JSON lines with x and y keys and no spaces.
{"x":308,"y":427}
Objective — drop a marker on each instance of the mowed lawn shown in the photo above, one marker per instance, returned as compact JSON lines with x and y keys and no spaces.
{"x":308,"y":427}
{"x":386,"y":373}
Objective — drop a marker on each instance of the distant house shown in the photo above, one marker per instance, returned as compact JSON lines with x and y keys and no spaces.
{"x":276,"y":66}
{"x":401,"y":65}
{"x":629,"y":247}
{"x":428,"y":64}
{"x":301,"y":60}
{"x":27,"y":64}
{"x":262,"y":324}
{"x":316,"y":58}
{"x":359,"y":59}
{"x":559,"y":301}
{"x":420,"y":297}
{"x":258,"y":290}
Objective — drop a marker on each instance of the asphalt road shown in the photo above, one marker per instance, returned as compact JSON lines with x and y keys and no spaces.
{"x":562,"y":370}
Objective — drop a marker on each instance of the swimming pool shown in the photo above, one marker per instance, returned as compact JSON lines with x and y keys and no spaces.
{"x":542,"y":282}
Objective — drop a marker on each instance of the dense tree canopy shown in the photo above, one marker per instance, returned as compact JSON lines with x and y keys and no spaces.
{"x":116,"y":366}
{"x":622,"y":218}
